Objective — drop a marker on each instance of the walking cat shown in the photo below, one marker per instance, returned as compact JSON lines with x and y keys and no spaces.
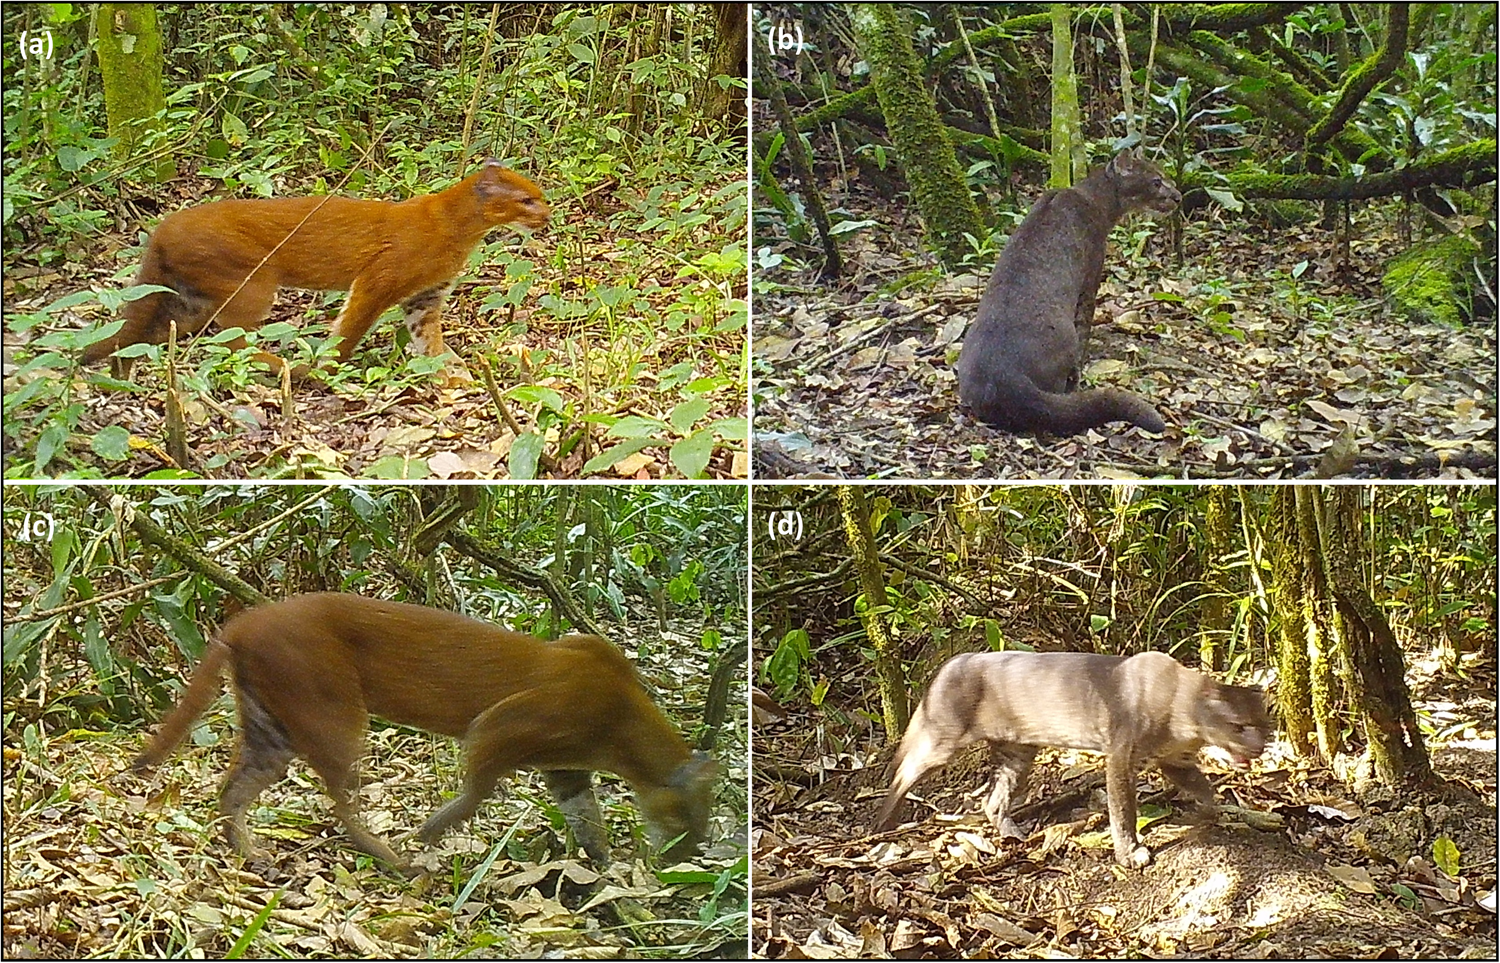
{"x":309,"y":671}
{"x":1141,"y":709}
{"x":381,"y":252}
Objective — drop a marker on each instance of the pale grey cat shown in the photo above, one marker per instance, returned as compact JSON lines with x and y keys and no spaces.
{"x":1142,"y":709}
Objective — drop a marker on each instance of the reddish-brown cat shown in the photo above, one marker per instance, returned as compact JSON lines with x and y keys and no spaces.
{"x":310,"y":670}
{"x":381,"y":252}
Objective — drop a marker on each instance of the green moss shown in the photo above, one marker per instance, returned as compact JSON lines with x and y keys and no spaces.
{"x":1283,"y":214}
{"x":1430,"y":281}
{"x":927,"y":157}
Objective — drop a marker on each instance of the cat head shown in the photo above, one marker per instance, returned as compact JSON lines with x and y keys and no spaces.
{"x":1142,"y":185}
{"x":679,"y":809}
{"x":506,"y":197}
{"x":1234,"y":718}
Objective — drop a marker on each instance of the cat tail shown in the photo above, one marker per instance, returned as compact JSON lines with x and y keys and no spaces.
{"x":894,"y":797}
{"x":148,"y":320}
{"x":923,"y":746}
{"x":202,"y":689}
{"x":1018,"y":404}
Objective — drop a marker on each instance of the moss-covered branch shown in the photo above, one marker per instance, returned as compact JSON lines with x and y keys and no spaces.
{"x":1211,"y":63}
{"x":1362,"y":79}
{"x":729,"y":669}
{"x":1004,"y":146}
{"x":525,"y":575}
{"x":1461,"y":167}
{"x":1306,"y":72}
{"x":187,"y":555}
{"x":1176,"y":19}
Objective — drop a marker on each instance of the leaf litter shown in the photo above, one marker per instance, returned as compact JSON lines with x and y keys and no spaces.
{"x":1284,"y":871}
{"x":1294,"y":867}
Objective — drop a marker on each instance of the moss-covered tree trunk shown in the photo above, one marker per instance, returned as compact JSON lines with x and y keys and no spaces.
{"x":559,"y":566}
{"x":894,"y":707}
{"x":589,"y":513}
{"x":1293,"y":693}
{"x":1377,"y":671}
{"x":1067,"y":150}
{"x":911,"y":118}
{"x":130,"y":64}
{"x":1464,"y":166}
{"x":1319,"y":619}
{"x":1332,"y":625}
{"x":1219,"y":526}
{"x":1252,"y":532}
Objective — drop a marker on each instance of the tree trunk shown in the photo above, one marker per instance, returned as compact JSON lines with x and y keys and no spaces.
{"x":1214,"y":627}
{"x":1335,"y":641}
{"x":1067,"y":147}
{"x":726,"y":59}
{"x":130,"y":64}
{"x":1377,"y":669}
{"x":1319,"y":619}
{"x":1294,"y":692}
{"x":769,"y":87}
{"x":927,"y":158}
{"x":888,"y":675}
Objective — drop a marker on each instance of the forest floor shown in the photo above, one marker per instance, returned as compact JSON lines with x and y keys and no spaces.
{"x":1259,"y":374}
{"x":1316,"y":873}
{"x":118,"y":865}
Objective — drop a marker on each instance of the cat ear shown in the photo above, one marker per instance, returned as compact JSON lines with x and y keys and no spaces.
{"x":486,"y":177}
{"x":495,"y":180}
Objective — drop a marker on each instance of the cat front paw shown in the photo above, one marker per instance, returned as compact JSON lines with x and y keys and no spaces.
{"x":1136,"y":858}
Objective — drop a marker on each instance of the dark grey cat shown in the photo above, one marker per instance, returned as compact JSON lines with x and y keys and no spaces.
{"x":1141,"y":709}
{"x":1021,"y":358}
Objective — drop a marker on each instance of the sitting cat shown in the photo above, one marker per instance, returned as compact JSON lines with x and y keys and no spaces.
{"x":1021,"y":359}
{"x":1145,"y":708}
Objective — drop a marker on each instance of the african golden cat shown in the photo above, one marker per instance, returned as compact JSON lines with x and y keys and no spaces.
{"x":1145,"y":708}
{"x":1022,"y":358}
{"x":310,"y":669}
{"x":381,"y":252}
